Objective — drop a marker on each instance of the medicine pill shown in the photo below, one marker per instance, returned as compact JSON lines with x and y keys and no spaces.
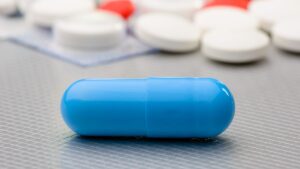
{"x":235,"y":46}
{"x":152,"y":107}
{"x":185,"y":8}
{"x":167,"y":32}
{"x":224,"y":17}
{"x":286,"y":35}
{"x":125,"y":8}
{"x":46,"y":12}
{"x":235,"y":3}
{"x":94,"y":30}
{"x":269,"y":12}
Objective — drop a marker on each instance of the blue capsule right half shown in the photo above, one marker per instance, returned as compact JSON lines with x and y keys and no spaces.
{"x":151,"y":107}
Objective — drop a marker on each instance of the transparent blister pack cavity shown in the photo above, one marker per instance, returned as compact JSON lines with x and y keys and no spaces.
{"x":42,"y":40}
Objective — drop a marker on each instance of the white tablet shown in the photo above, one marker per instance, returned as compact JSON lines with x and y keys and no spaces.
{"x":286,"y":35}
{"x":184,"y":8}
{"x":91,"y":31}
{"x":269,"y":12}
{"x":235,"y":46}
{"x":167,"y":32}
{"x":225,"y":17}
{"x":45,"y":12}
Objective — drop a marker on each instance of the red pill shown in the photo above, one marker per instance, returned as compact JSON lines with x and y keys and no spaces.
{"x":235,"y":3}
{"x":125,"y":8}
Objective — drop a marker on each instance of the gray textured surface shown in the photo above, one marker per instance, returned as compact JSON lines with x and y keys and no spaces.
{"x":264,"y":134}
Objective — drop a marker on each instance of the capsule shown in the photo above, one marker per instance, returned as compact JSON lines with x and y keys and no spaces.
{"x":150,"y":107}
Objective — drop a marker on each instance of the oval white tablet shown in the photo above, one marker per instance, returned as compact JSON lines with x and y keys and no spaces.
{"x":269,"y":12}
{"x":167,"y":32}
{"x":94,"y":30}
{"x":8,"y":7}
{"x":235,"y":46}
{"x":184,"y":8}
{"x":45,"y":12}
{"x":224,"y":17}
{"x":286,"y":35}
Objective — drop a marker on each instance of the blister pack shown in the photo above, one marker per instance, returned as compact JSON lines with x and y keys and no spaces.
{"x":41,"y":40}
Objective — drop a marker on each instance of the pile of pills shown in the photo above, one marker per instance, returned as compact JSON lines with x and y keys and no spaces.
{"x":231,"y":31}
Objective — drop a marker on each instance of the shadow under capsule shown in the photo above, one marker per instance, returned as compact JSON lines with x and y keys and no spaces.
{"x":105,"y":150}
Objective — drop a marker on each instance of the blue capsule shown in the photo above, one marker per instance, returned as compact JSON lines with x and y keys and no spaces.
{"x":152,"y":107}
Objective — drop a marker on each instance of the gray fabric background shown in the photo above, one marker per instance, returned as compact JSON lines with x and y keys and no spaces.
{"x":264,"y":134}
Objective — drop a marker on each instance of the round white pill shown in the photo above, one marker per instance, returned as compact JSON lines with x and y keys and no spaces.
{"x":224,"y":17}
{"x":95,"y":30}
{"x":235,"y":46}
{"x":286,"y":35}
{"x":167,"y":32}
{"x":185,"y":8}
{"x":8,"y":7}
{"x":269,"y":12}
{"x":45,"y":12}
